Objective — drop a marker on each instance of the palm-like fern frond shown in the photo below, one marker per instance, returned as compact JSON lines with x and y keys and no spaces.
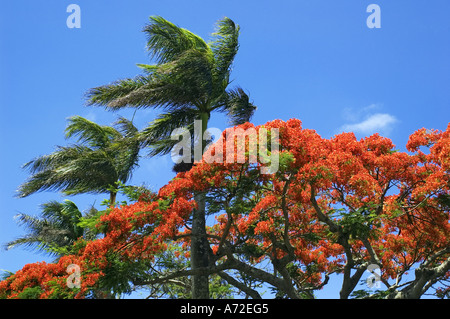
{"x":107,"y":94}
{"x":225,"y":45}
{"x":51,"y":172}
{"x":90,"y":133}
{"x":189,"y":81}
{"x":238,"y":106}
{"x":128,"y":147}
{"x":166,"y":41}
{"x":184,"y":81}
{"x":56,"y":227}
{"x":104,"y":156}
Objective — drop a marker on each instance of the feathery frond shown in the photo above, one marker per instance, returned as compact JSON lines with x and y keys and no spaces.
{"x":225,"y":46}
{"x":110,"y":155}
{"x":190,"y":76}
{"x":90,"y":133}
{"x":56,"y":227}
{"x":238,"y":106}
{"x":166,"y":41}
{"x":105,"y":95}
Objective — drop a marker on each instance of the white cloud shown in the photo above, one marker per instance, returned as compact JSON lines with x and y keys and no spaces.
{"x":376,"y":123}
{"x":351,"y":115}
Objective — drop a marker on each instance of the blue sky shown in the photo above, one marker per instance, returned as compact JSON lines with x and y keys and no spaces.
{"x":313,"y":60}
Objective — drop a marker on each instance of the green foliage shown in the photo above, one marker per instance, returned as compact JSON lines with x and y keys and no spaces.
{"x":285,"y":161}
{"x":57,"y":228}
{"x":122,"y":277}
{"x":357,"y":223}
{"x":119,"y":274}
{"x":103,"y":156}
{"x":219,"y":288}
{"x":282,"y":295}
{"x":189,"y":81}
{"x":366,"y":294}
{"x":30,"y":293}
{"x":444,"y":200}
{"x":252,"y":250}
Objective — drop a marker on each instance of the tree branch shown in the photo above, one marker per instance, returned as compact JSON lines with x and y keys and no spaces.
{"x":249,"y":291}
{"x":320,"y":215}
{"x":286,"y":240}
{"x":184,"y":273}
{"x":426,"y":276}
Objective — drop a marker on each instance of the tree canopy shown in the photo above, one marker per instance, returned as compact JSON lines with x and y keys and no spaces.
{"x":334,"y":206}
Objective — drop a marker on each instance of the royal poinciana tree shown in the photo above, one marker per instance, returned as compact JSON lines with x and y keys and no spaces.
{"x":334,"y":206}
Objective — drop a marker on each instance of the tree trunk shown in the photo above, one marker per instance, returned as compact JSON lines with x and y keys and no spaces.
{"x":112,"y":198}
{"x":199,"y":250}
{"x":199,"y":242}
